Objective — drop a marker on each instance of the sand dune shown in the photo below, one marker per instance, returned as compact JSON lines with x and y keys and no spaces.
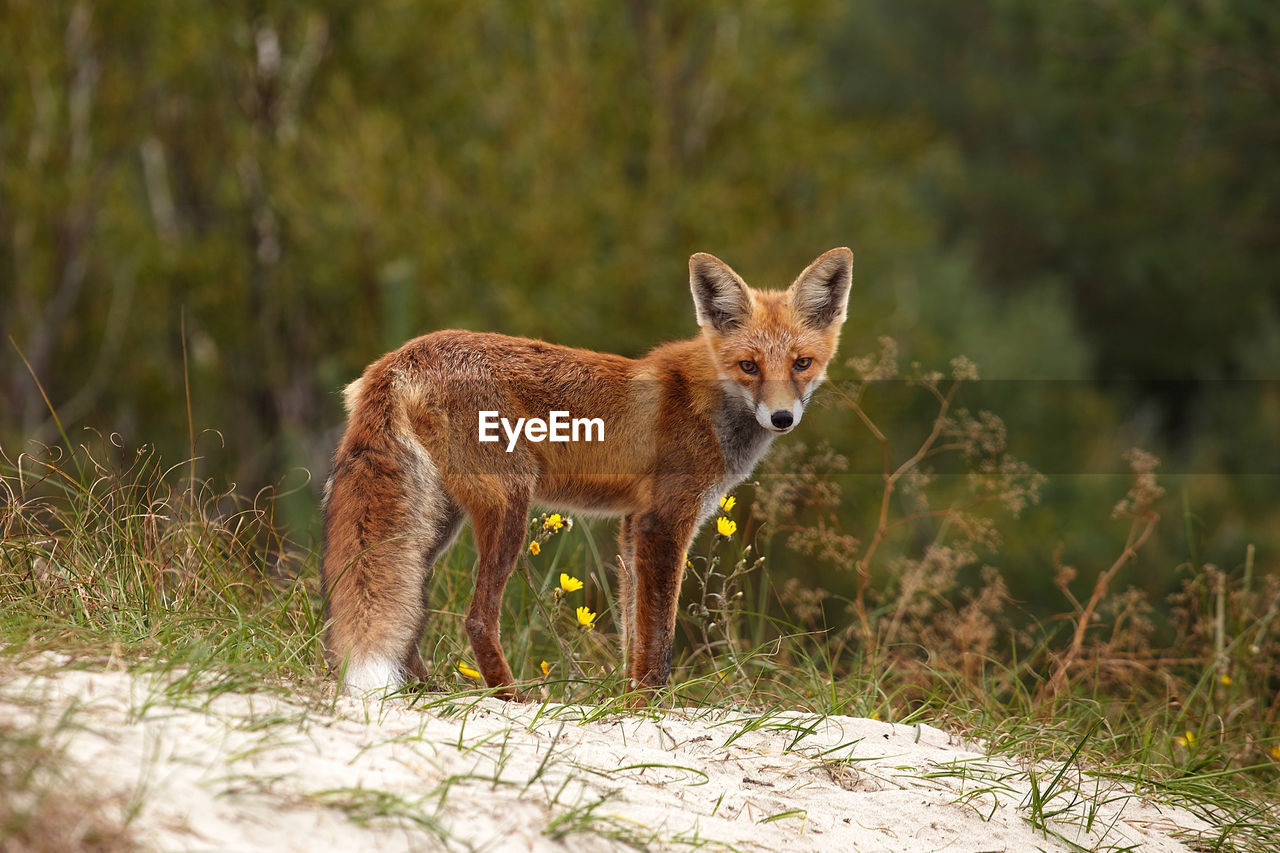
{"x":261,"y":772}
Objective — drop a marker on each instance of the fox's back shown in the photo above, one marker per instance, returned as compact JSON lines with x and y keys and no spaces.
{"x":619,"y":416}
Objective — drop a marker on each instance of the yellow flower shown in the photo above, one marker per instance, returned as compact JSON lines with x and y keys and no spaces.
{"x":534,"y":548}
{"x":728,"y":502}
{"x":546,"y":668}
{"x":1275,"y":752}
{"x":1188,"y":739}
{"x":468,"y":671}
{"x":553,"y":523}
{"x":1226,"y":680}
{"x":586,"y":618}
{"x":726,"y":526}
{"x":569,"y":584}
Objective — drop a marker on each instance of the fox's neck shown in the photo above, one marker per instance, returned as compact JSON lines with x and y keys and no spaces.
{"x":743,"y":442}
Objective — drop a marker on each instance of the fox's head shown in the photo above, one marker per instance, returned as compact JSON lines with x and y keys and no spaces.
{"x":771,"y":346}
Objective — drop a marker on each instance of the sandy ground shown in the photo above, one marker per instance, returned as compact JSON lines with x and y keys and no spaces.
{"x":258,"y":772}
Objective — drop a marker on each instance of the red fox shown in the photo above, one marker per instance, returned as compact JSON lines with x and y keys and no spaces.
{"x":429,"y":443}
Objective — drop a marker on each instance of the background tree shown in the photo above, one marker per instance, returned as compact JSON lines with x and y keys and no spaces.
{"x":257,"y":198}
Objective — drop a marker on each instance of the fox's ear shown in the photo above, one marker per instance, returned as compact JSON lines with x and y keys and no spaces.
{"x":720,"y":298}
{"x":821,"y":294}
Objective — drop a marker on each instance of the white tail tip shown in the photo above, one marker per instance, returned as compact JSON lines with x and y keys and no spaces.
{"x":373,"y":675}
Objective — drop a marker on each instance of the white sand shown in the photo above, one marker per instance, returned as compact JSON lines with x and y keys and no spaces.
{"x":257,"y":772}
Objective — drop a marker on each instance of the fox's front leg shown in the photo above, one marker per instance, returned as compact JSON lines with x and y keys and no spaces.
{"x":660,"y":541}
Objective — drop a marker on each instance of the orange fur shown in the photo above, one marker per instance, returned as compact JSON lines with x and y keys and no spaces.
{"x":682,"y":426}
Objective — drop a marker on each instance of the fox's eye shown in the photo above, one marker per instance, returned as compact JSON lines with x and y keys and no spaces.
{"x":749,"y":367}
{"x":803,"y":363}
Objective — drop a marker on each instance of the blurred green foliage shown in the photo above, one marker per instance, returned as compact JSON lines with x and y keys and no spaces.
{"x":1126,"y":149}
{"x":258,"y":198}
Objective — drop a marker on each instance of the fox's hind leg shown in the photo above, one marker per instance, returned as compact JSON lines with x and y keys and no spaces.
{"x":499,"y":526}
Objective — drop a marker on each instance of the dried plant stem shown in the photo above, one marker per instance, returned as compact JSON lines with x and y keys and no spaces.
{"x":1139,"y":531}
{"x":1220,"y":626}
{"x":191,"y":429}
{"x":891,"y":478}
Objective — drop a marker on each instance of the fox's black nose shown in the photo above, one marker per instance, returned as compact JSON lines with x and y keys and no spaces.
{"x":782,"y":419}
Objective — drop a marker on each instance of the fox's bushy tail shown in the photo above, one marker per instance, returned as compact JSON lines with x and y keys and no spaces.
{"x":387,"y":518}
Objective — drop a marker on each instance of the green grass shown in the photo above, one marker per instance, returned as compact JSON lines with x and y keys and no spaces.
{"x":122,"y":561}
{"x":109,"y":556}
